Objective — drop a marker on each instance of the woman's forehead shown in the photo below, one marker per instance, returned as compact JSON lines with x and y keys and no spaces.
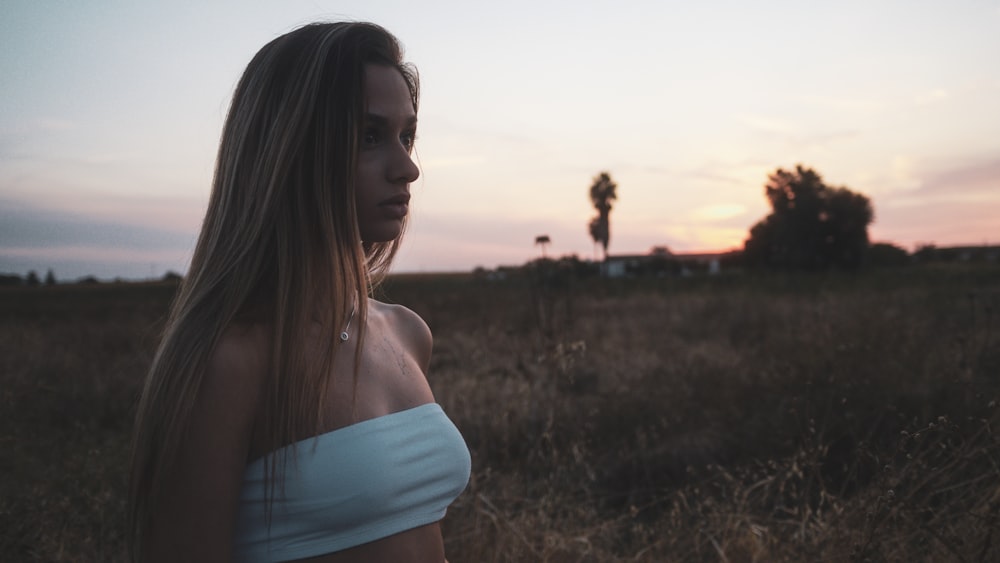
{"x":387,"y":94}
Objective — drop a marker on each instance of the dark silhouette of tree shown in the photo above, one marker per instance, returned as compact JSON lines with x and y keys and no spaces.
{"x":812,"y":226}
{"x":50,"y":278}
{"x":32,"y":279}
{"x":884,"y":254}
{"x":925,"y":253}
{"x":542,"y":240}
{"x":602,"y":193}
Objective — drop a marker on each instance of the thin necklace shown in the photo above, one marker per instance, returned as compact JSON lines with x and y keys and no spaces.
{"x":343,"y":335}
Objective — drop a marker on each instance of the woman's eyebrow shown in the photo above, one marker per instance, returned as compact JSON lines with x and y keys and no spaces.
{"x":382,"y":121}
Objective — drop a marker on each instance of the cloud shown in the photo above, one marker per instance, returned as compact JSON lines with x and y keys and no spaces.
{"x":716,"y":173}
{"x":718,"y":212}
{"x":791,"y":133}
{"x":976,"y":177}
{"x":94,"y":253}
{"x":71,"y":263}
{"x":689,"y":237}
{"x":24,"y":226}
{"x":75,"y":245}
{"x":740,"y":172}
{"x":955,"y":203}
{"x":972,"y":182}
{"x":943,"y":223}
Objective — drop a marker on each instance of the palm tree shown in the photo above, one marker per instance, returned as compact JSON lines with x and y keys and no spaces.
{"x":602,"y":193}
{"x":542,"y":240}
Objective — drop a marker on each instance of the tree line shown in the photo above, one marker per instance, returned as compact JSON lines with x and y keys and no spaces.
{"x":31,"y":280}
{"x":812,"y":226}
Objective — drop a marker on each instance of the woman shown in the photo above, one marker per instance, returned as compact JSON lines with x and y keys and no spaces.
{"x":286,"y":414}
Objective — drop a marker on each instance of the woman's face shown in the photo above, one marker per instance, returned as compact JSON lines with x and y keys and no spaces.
{"x":385,"y":168}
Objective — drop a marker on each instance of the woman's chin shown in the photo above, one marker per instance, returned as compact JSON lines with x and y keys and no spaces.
{"x":382,"y":235}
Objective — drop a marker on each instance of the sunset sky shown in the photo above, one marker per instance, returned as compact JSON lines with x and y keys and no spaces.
{"x":110,"y":114}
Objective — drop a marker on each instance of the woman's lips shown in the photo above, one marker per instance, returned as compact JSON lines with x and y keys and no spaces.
{"x":395,"y":210}
{"x":396,"y":207}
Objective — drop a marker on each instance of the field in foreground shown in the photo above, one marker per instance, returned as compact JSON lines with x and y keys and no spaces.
{"x":800,"y":418}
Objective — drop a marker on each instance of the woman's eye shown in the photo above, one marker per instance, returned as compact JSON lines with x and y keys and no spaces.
{"x":369,"y":138}
{"x":408,"y":139}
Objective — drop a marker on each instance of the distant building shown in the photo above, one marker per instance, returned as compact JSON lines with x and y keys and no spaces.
{"x":662,"y":262}
{"x":622,"y":265}
{"x":931,"y":253}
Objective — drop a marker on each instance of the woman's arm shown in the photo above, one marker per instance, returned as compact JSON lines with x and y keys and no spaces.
{"x":195,"y":518}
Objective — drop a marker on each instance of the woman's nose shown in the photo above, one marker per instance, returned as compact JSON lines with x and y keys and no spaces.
{"x":403,"y":168}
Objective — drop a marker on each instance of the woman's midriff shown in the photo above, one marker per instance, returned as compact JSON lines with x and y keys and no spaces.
{"x":418,"y":545}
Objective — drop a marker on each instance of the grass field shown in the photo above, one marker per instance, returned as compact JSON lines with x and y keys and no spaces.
{"x":775,"y":418}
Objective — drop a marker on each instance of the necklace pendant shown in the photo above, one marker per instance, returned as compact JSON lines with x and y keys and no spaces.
{"x":343,"y":335}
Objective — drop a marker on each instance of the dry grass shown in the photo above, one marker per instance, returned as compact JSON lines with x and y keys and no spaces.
{"x":725,"y":419}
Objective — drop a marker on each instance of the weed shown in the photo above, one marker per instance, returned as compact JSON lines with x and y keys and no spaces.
{"x":743,"y":418}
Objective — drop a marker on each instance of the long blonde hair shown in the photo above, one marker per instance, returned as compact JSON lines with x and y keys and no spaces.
{"x":280,"y":235}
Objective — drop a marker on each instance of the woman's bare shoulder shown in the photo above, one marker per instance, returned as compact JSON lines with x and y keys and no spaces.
{"x":234,"y":377}
{"x":197,"y":515}
{"x":409,"y":328}
{"x":240,"y":354}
